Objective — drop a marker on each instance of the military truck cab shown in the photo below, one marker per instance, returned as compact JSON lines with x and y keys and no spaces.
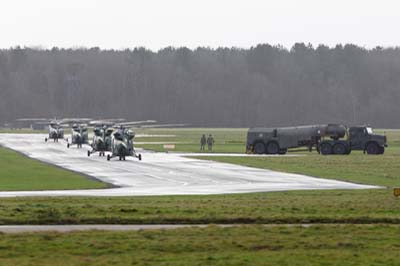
{"x":358,"y":138}
{"x":363,"y":138}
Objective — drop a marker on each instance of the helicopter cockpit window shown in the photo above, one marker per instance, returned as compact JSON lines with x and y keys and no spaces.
{"x":119,"y":135}
{"x":130,"y":134}
{"x":109,"y":132}
{"x":97,"y":131}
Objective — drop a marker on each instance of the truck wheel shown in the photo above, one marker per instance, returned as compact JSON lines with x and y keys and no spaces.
{"x":339,"y":148}
{"x":372,"y":148}
{"x":259,"y":148}
{"x":282,"y":151}
{"x":326,"y":149}
{"x":272,"y":148}
{"x":381,"y":150}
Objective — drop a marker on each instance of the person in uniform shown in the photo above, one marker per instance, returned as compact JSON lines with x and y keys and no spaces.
{"x":210,"y":142}
{"x":203,"y":142}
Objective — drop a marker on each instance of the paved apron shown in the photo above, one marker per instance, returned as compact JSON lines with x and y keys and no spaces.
{"x":159,"y":173}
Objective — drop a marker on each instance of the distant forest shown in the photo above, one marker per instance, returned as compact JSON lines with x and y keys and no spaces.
{"x":261,"y":86}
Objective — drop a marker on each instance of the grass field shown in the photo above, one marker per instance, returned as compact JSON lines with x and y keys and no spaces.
{"x":346,"y":244}
{"x":248,"y":245}
{"x":18,"y":172}
{"x":334,"y":206}
{"x":370,"y":206}
{"x":357,"y":167}
{"x":230,"y":140}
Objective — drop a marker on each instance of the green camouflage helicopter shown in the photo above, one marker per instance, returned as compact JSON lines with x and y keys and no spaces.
{"x":102,"y":135}
{"x":79,"y":135}
{"x":122,"y":144}
{"x":113,"y":135}
{"x":55,"y":126}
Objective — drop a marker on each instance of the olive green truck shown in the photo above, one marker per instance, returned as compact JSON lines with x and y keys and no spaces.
{"x":327,"y":139}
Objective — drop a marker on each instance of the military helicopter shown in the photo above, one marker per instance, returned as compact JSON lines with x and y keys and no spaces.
{"x":101,"y":138}
{"x":122,"y":140}
{"x":108,"y":132}
{"x":56,"y":131}
{"x":55,"y":127}
{"x":122,"y":144}
{"x":79,"y":135}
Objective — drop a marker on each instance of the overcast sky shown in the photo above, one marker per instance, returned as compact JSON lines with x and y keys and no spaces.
{"x":155,"y":24}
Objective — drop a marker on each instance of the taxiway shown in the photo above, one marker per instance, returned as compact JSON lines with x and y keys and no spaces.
{"x":158,"y":173}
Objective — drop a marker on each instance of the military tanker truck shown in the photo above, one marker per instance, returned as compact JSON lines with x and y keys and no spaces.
{"x":327,"y":139}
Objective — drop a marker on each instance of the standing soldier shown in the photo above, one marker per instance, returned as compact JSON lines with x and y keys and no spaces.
{"x":203,"y":142}
{"x":210,"y":142}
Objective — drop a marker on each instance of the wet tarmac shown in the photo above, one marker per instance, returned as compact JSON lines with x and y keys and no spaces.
{"x":159,"y":173}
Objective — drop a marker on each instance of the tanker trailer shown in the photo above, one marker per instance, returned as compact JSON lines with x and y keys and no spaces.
{"x":279,"y":140}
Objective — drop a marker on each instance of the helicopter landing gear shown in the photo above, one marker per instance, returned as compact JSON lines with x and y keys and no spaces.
{"x":68,"y":145}
{"x":123,"y":158}
{"x":88,"y":153}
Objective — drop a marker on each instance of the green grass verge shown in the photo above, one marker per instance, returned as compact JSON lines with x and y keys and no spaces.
{"x":357,"y":167}
{"x":18,"y":172}
{"x":248,"y":245}
{"x":226,"y":148}
{"x":230,"y":140}
{"x":337,"y":206}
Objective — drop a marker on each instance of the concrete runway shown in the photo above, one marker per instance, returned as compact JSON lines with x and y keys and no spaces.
{"x":158,"y":173}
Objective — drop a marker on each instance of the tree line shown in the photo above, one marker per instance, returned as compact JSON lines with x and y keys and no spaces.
{"x":262,"y":86}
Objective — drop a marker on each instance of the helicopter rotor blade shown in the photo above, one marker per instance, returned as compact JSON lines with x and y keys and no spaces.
{"x":164,"y":126}
{"x":101,"y":123}
{"x":32,"y":119}
{"x":75,"y":120}
{"x":134,"y":123}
